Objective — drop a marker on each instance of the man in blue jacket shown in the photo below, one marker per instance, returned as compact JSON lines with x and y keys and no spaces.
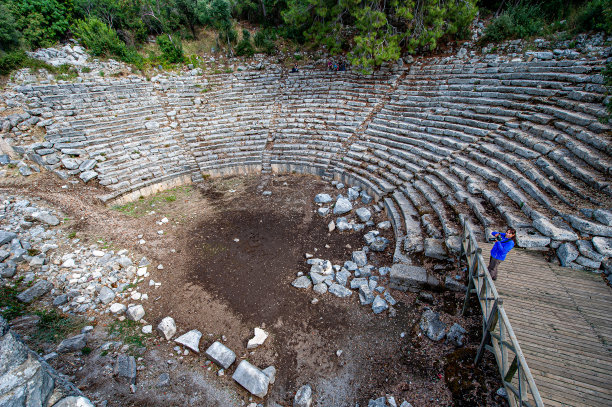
{"x":505,"y":242}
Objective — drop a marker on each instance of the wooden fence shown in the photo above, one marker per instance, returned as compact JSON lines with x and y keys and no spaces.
{"x":498,"y":336}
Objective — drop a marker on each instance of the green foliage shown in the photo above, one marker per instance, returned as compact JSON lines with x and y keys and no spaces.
{"x":10,"y":306}
{"x":9,"y":36}
{"x":99,"y":38}
{"x":376,"y":32}
{"x":595,"y":15}
{"x":129,"y":332}
{"x":18,"y":59}
{"x":54,"y":326}
{"x":518,"y":21}
{"x":264,"y":41}
{"x":245,"y":47}
{"x":42,"y":22}
{"x":171,"y":48}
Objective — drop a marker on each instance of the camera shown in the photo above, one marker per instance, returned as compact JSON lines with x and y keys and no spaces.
{"x":497,"y":238}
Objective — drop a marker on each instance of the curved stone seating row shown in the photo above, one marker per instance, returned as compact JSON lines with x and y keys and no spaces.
{"x":515,"y":144}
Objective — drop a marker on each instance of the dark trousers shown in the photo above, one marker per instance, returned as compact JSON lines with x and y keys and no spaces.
{"x":493,"y":263}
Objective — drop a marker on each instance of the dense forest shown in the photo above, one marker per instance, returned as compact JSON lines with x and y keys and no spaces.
{"x":367,"y":32}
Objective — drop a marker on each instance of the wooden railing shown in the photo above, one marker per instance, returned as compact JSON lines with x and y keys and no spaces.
{"x":517,"y":379}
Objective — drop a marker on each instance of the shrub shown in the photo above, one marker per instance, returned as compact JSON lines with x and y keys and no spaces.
{"x":519,"y":21}
{"x":594,"y":15}
{"x":171,"y":48}
{"x":99,"y":38}
{"x":41,"y":22}
{"x":10,"y":61}
{"x":245,"y":47}
{"x":264,"y":41}
{"x":9,"y":36}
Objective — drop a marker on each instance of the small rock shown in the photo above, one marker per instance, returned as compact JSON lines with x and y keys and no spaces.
{"x":167,"y":327}
{"x":117,"y":308}
{"x":190,"y":340}
{"x":125,"y":368}
{"x":257,"y":340}
{"x":339,"y":291}
{"x":302,"y":282}
{"x":456,"y":335}
{"x":323,"y":198}
{"x":431,"y":325}
{"x":363,"y":214}
{"x":147,"y":329}
{"x":74,"y":401}
{"x":36,"y":291}
{"x":303,"y":397}
{"x":163,"y":380}
{"x":270,"y":371}
{"x":135,"y":312}
{"x":342,"y":206}
{"x":379,"y":305}
{"x":360,"y":258}
{"x":72,"y":344}
{"x":106,"y":295}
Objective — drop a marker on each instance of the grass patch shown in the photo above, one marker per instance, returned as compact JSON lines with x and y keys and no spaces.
{"x":54,"y":326}
{"x":158,"y":202}
{"x":71,"y":235}
{"x":10,"y":306}
{"x":212,"y":249}
{"x":129,"y":332}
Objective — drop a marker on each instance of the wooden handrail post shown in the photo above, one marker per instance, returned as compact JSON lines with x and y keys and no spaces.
{"x":490,"y":324}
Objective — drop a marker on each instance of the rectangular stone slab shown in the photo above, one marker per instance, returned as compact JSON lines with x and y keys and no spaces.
{"x":221,"y":354}
{"x":252,"y":379}
{"x":411,"y":278}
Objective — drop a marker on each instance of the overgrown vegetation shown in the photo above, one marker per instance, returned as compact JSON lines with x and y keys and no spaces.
{"x":524,"y":19}
{"x":129,"y":332}
{"x":149,"y":33}
{"x":10,"y":306}
{"x":54,"y":326}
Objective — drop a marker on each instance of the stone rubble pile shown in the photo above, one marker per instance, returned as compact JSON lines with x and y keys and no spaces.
{"x":354,"y":275}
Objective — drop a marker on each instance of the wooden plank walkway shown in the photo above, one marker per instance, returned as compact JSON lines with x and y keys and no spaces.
{"x":562,"y":319}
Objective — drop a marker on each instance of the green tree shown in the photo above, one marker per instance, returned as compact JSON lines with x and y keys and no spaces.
{"x":171,"y":48}
{"x":42,"y":22}
{"x":99,"y":38}
{"x":9,"y":36}
{"x":376,"y":31}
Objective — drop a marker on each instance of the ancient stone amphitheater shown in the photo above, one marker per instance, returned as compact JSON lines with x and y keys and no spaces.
{"x":441,"y":143}
{"x":504,"y":143}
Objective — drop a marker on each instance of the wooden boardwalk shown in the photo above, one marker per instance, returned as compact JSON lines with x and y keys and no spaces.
{"x":562,"y":319}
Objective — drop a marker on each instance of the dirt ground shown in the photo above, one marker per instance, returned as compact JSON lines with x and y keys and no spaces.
{"x":229,"y":255}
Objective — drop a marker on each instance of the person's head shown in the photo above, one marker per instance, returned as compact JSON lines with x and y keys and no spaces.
{"x":511,"y":234}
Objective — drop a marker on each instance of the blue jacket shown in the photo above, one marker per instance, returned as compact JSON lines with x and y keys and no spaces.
{"x":501,"y":249}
